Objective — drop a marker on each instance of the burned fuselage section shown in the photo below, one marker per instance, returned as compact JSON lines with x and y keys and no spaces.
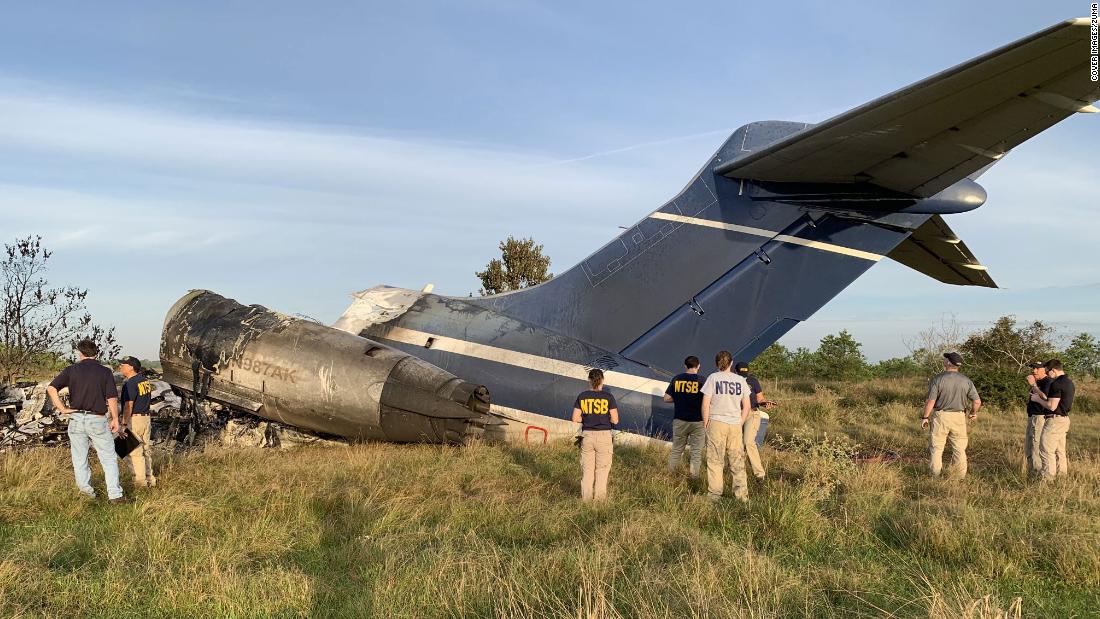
{"x":311,"y":376}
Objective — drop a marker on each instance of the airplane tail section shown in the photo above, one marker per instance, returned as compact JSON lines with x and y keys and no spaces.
{"x":718,"y":266}
{"x":786,"y":215}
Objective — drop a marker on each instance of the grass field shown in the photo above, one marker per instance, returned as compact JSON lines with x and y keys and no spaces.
{"x":429,"y":531}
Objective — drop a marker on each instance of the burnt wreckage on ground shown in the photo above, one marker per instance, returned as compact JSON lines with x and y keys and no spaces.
{"x":318,"y":378}
{"x":782,"y":218}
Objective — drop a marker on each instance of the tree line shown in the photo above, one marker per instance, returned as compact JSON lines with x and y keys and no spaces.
{"x":996,"y":358}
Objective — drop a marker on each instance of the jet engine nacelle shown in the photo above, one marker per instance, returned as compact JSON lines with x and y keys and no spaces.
{"x":308,"y":375}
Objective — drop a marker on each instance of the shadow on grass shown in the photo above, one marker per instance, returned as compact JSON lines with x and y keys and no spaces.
{"x":548,"y":464}
{"x":341,"y":566}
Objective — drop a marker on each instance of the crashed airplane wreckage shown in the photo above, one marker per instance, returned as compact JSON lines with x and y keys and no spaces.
{"x":297,"y":372}
{"x":786,"y":214}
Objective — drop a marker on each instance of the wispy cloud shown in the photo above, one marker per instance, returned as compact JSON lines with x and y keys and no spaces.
{"x":329,"y":159}
{"x":641,"y":145}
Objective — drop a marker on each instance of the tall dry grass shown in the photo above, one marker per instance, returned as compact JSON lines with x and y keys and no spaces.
{"x":429,"y":531}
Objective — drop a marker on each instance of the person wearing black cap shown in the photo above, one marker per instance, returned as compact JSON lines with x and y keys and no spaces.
{"x":751,"y":428}
{"x":1057,"y":401}
{"x":93,"y":418}
{"x":945,"y":408}
{"x":136,"y":394}
{"x":1036,"y":417}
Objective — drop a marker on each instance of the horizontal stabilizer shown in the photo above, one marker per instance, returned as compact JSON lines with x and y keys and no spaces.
{"x":933,"y":249}
{"x":927,"y":136}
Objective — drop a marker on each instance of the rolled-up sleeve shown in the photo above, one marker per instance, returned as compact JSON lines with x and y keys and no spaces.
{"x":109,"y":390}
{"x":62,"y":379}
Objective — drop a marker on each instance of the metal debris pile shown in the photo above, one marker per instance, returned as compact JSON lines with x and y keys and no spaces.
{"x":28,"y":419}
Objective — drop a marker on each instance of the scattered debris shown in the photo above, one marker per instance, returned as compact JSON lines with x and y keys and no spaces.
{"x":28,"y":419}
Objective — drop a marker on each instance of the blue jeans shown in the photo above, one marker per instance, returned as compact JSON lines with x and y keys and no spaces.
{"x":85,"y":429}
{"x":762,"y":432}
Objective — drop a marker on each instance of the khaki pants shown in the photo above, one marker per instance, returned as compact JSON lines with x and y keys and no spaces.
{"x":1031,"y":444}
{"x":596,"y":451}
{"x":1052,"y":447}
{"x":948,"y":427}
{"x":749,"y":430}
{"x":724,"y":441}
{"x":690,"y":434}
{"x":141,"y":459}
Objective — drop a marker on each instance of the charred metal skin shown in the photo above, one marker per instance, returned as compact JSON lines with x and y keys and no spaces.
{"x":304,"y":374}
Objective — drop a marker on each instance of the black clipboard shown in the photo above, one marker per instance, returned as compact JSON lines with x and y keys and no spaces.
{"x":125,"y":443}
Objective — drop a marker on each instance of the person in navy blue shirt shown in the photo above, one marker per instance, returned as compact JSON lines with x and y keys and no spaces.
{"x":685,"y":392}
{"x":137,"y":392}
{"x":751,"y":428}
{"x":597,"y":412}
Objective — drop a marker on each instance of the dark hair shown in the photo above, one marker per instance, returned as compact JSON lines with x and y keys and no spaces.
{"x":691,"y":362}
{"x":595,"y":377}
{"x":723,"y":360}
{"x":1054,"y":364}
{"x":87,"y":348}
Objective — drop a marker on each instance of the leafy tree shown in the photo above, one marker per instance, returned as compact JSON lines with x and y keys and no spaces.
{"x":1004,"y":346}
{"x":521,"y":265}
{"x":839,"y":357}
{"x":40,"y":323}
{"x":898,"y":367}
{"x":803,"y":362}
{"x":774,"y":362}
{"x":1082,"y":356}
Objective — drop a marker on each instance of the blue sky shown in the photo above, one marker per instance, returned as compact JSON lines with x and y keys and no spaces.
{"x":288,"y":155}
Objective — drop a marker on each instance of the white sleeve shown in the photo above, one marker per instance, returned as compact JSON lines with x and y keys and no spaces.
{"x":708,"y":387}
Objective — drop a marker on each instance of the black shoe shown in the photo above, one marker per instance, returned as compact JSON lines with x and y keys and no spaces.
{"x":122,"y":500}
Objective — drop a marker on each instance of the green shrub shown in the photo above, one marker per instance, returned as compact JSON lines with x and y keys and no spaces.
{"x":1000,"y":388}
{"x":898,"y":367}
{"x":829,"y":462}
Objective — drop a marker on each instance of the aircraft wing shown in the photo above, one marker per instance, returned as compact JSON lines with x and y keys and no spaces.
{"x":931,"y":134}
{"x":935,"y":250}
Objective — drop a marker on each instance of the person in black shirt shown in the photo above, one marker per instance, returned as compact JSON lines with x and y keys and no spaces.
{"x":1036,"y":417}
{"x":597,"y":412}
{"x":137,"y":392}
{"x":1058,"y":401}
{"x":93,"y":418}
{"x":685,"y":393}
{"x":751,"y":428}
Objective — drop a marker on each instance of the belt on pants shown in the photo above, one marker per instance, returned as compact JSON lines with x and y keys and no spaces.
{"x":90,"y":413}
{"x":1054,"y":415}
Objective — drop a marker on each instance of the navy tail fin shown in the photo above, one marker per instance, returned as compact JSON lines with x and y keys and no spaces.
{"x":712,"y":268}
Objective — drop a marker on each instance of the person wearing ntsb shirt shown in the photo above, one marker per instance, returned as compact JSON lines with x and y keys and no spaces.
{"x":597,"y":412}
{"x":725,"y":407}
{"x":1057,"y":402}
{"x":137,"y":392}
{"x":685,"y":391}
